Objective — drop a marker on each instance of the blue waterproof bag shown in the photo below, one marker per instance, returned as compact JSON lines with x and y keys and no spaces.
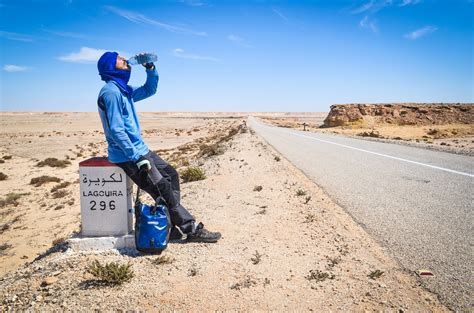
{"x":152,"y":226}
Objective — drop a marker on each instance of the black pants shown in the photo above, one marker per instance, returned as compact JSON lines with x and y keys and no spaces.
{"x":162,"y":180}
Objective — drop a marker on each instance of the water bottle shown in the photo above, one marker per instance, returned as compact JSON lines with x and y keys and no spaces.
{"x":142,"y":58}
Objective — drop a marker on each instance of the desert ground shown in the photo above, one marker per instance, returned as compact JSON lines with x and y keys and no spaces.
{"x":286,"y":245}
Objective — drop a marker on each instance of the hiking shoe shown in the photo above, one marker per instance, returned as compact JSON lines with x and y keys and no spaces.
{"x":200,"y":234}
{"x":175,"y":233}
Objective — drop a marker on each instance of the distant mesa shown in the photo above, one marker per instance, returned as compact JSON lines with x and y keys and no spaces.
{"x":417,"y":114}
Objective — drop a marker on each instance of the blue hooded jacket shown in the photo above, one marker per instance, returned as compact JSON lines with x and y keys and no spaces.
{"x":117,"y":109}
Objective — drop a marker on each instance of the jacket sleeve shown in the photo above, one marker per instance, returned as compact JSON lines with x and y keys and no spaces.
{"x":114,"y":112}
{"x":147,"y":90}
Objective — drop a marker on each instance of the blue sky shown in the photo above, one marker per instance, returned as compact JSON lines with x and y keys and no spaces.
{"x":239,"y":55}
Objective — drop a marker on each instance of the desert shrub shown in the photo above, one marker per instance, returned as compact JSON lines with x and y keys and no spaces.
{"x":257,"y":257}
{"x":3,"y":176}
{"x":60,"y":186}
{"x":375,"y":274}
{"x":309,"y":218}
{"x":209,"y":150}
{"x":372,"y":133}
{"x":319,"y":276}
{"x":192,"y":174}
{"x":4,"y":247}
{"x":53,"y":162}
{"x":257,"y":188}
{"x":59,"y":241}
{"x":193,"y":271}
{"x":247,"y":282}
{"x":111,"y":273}
{"x":163,"y":259}
{"x":38,"y":181}
{"x":11,"y":199}
{"x":7,"y":157}
{"x":277,"y":158}
{"x":300,"y":192}
{"x":59,"y":194}
{"x":4,"y":227}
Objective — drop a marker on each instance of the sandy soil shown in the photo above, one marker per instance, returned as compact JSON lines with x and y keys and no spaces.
{"x":285,"y":247}
{"x":30,"y":227}
{"x":456,"y":138}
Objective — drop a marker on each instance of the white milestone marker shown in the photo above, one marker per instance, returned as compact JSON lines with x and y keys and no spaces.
{"x":106,"y":199}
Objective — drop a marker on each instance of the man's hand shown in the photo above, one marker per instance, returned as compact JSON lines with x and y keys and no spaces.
{"x":143,"y":164}
{"x":149,"y":66}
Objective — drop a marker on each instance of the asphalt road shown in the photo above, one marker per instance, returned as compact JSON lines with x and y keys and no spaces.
{"x":417,"y":203}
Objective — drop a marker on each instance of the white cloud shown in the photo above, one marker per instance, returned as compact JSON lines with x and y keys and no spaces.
{"x":409,"y":2}
{"x":366,"y":22}
{"x":365,"y":7}
{"x":15,"y":68}
{"x":179,"y":53}
{"x":17,"y":36}
{"x":376,"y":5}
{"x":139,"y":18}
{"x":421,"y":32}
{"x":281,"y":15}
{"x":193,"y":3}
{"x":85,"y":55}
{"x":66,"y":34}
{"x":239,"y":41}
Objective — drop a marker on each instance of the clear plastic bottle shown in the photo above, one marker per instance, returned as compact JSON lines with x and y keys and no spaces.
{"x":142,"y":58}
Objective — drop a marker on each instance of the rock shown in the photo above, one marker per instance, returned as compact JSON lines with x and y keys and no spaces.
{"x":49,"y":281}
{"x":39,"y":298}
{"x":401,"y":114}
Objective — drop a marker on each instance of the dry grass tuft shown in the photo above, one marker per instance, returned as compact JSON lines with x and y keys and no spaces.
{"x":209,"y":150}
{"x":163,"y":259}
{"x":309,"y":218}
{"x":375,"y":274}
{"x":38,"y":181}
{"x":193,"y":271}
{"x":11,"y":199}
{"x":111,"y":273}
{"x":319,"y":276}
{"x":60,"y":186}
{"x":59,"y":241}
{"x":247,"y":282}
{"x":59,"y":207}
{"x":59,"y":194}
{"x":257,"y":257}
{"x":372,"y":133}
{"x":192,"y":174}
{"x":53,"y":162}
{"x":4,"y":247}
{"x":300,"y":192}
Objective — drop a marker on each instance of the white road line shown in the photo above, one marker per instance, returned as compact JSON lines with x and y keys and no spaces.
{"x":379,"y":154}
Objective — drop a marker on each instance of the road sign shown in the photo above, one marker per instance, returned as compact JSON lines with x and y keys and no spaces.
{"x":106,"y":199}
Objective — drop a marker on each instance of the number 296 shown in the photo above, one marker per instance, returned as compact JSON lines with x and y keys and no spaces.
{"x":102,"y":205}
